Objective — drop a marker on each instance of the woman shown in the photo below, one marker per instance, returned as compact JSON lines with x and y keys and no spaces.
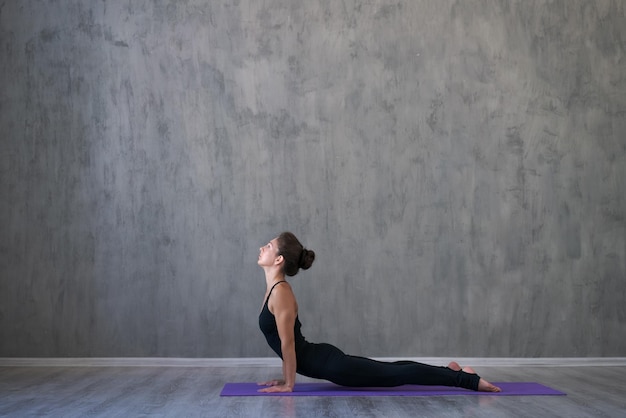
{"x":284,"y":256}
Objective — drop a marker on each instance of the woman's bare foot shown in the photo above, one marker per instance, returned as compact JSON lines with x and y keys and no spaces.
{"x":453,"y":365}
{"x":484,"y":386}
{"x":469,"y":370}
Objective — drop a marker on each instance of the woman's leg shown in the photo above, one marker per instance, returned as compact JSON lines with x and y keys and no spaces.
{"x":359,"y":371}
{"x":330,"y":363}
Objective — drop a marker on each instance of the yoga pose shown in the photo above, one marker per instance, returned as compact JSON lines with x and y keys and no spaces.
{"x":285,"y":256}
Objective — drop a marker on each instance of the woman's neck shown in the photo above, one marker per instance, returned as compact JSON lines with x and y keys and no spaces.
{"x":272,"y":277}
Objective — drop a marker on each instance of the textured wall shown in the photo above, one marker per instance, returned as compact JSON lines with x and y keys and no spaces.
{"x":459,"y":168}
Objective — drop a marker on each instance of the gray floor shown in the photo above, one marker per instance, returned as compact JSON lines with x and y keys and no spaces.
{"x":194,"y":392}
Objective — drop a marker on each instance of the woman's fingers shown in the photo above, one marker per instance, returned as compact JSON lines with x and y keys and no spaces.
{"x":277,"y":388}
{"x":271,"y":383}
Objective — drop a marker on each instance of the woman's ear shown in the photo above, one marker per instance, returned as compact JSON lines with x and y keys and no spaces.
{"x":279,"y":260}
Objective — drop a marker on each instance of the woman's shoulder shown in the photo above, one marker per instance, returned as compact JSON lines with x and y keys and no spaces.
{"x":282,"y":289}
{"x":283,"y":295}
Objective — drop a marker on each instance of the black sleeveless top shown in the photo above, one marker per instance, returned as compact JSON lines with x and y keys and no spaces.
{"x":267,"y":323}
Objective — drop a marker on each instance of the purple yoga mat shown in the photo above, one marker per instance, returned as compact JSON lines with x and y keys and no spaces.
{"x":330,"y":389}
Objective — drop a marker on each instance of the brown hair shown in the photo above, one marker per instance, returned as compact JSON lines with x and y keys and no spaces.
{"x":296,"y":256}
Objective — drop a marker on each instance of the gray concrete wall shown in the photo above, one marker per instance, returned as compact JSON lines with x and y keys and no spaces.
{"x":459,"y":168}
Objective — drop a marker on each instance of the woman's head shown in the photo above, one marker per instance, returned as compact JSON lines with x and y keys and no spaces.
{"x":295,"y":255}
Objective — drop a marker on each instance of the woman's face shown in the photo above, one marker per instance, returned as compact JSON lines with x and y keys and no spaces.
{"x":268,"y":253}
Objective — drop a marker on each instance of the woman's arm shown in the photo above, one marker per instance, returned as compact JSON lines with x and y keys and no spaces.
{"x":285,"y":310}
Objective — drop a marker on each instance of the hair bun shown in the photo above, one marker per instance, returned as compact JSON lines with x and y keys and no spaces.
{"x":306,"y":259}
{"x":296,"y":256}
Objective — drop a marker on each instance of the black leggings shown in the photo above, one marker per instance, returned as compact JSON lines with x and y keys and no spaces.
{"x":325,"y":361}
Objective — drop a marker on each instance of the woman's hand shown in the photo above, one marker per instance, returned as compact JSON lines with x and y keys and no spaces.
{"x":277,"y":389}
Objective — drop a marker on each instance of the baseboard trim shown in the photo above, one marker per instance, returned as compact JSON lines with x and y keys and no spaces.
{"x":275,"y":362}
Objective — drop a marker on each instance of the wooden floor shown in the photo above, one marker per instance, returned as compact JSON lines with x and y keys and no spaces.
{"x":194,"y":392}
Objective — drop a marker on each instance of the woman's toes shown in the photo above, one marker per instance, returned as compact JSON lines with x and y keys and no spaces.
{"x":484,"y":386}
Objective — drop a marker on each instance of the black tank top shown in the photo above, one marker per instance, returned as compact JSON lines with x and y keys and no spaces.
{"x":267,"y":323}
